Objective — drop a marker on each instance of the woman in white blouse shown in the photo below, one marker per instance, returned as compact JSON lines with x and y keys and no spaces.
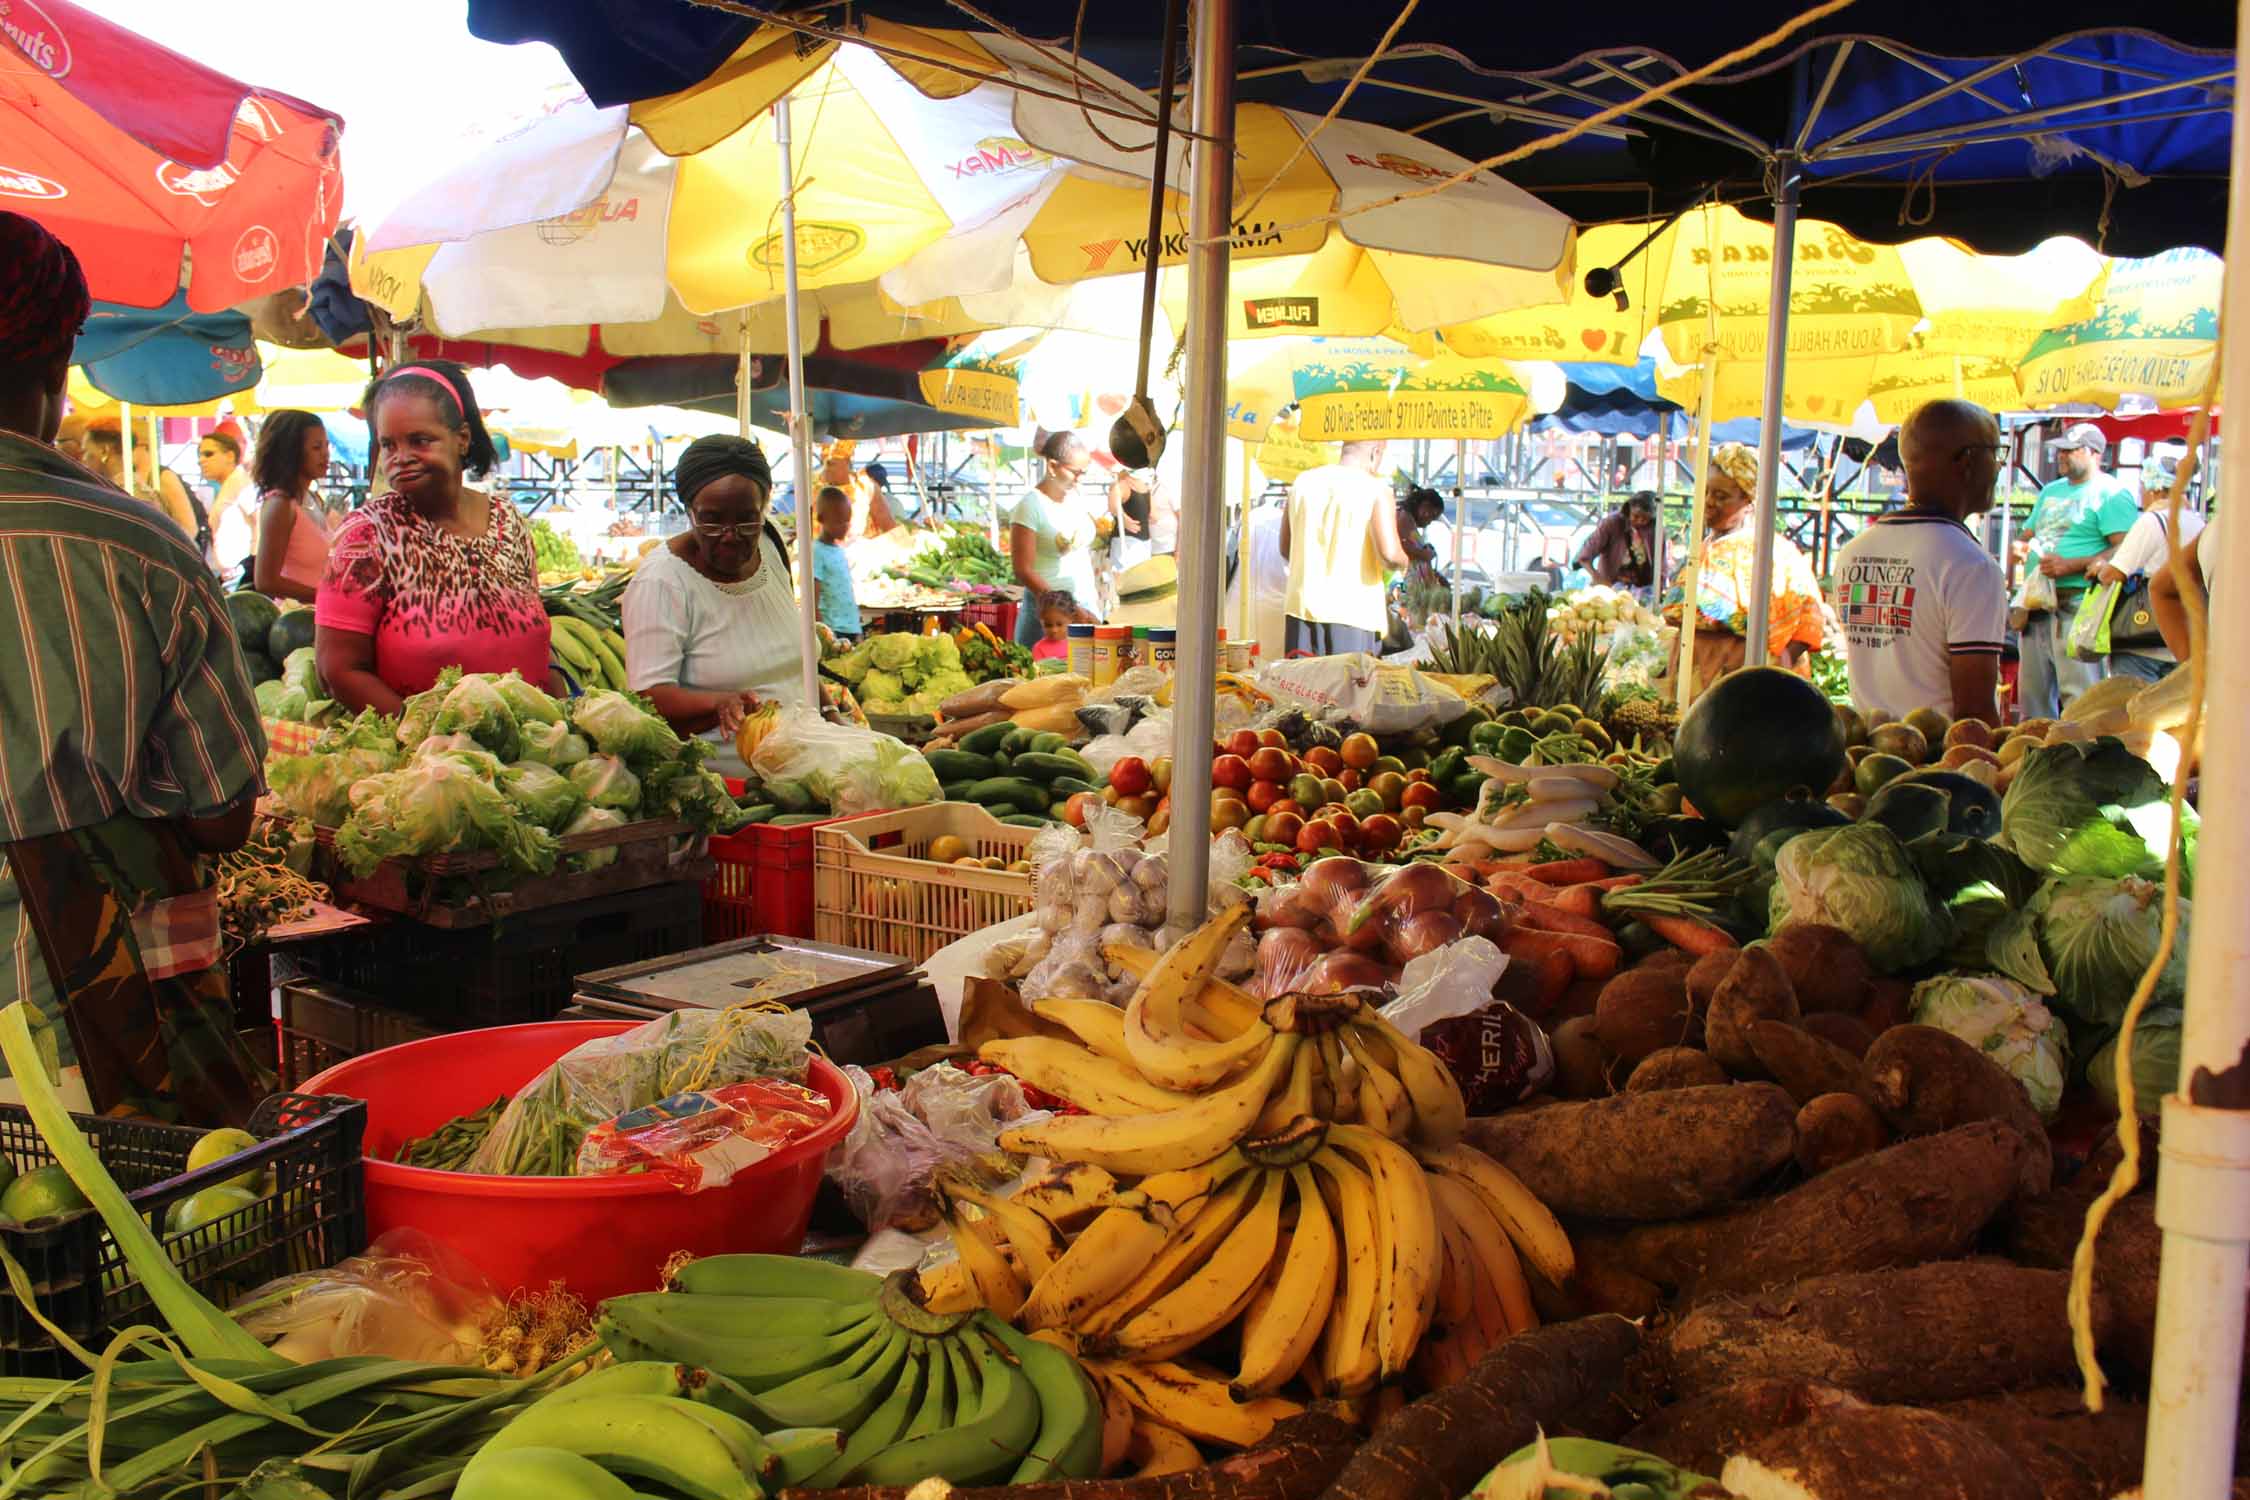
{"x":711,"y":627}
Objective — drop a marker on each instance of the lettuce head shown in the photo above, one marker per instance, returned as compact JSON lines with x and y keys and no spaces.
{"x":623,"y":726}
{"x":319,"y":786}
{"x":554,"y":745}
{"x":2005,"y":1022}
{"x":1862,"y":879}
{"x":529,"y":704}
{"x":607,"y":781}
{"x":589,"y":820}
{"x":475,"y":707}
{"x":541,"y":794}
{"x":438,"y":806}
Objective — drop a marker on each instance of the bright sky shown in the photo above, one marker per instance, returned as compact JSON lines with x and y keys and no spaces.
{"x":414,"y":90}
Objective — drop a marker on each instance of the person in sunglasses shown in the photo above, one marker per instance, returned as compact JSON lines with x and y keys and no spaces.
{"x":435,"y":573}
{"x":1051,"y":534}
{"x":711,"y":627}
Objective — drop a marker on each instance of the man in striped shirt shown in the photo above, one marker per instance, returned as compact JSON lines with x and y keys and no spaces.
{"x":130,"y":743}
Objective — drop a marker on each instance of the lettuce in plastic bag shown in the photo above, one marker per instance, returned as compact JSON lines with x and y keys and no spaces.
{"x":529,"y":704}
{"x":554,"y":745}
{"x":319,"y":786}
{"x":438,"y":806}
{"x":623,"y":726}
{"x":475,"y":707}
{"x":607,"y":782}
{"x":420,"y":712}
{"x":2005,"y":1022}
{"x":542,"y":794}
{"x":588,"y":820}
{"x":840,"y":766}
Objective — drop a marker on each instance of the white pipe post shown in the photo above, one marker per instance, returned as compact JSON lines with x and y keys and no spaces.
{"x":800,"y":436}
{"x":2203,"y":1188}
{"x":1460,"y":521}
{"x":1210,"y":219}
{"x":1691,"y":574}
{"x":1759,"y":607}
{"x":1242,"y":554}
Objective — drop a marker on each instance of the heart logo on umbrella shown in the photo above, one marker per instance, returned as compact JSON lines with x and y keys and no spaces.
{"x":1593,"y":338}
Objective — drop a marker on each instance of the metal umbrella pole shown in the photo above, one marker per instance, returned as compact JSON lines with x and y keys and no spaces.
{"x":1460,"y":522}
{"x":1759,"y":608}
{"x":800,"y":437}
{"x":1210,"y":209}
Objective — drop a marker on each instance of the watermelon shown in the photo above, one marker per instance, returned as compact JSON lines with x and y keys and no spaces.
{"x":1800,"y":813}
{"x":252,"y":614}
{"x":1974,"y":808}
{"x":292,"y":631}
{"x":1755,"y":736}
{"x":261,"y":667}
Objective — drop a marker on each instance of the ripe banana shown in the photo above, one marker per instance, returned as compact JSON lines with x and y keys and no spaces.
{"x":1084,"y":1077}
{"x":1068,"y":1194}
{"x":1118,"y":1417}
{"x":1184,"y":1253}
{"x":1407,"y":1231}
{"x":1097,"y":1023}
{"x":1295,"y":1099}
{"x":1349,"y":1362}
{"x":991,"y":1442}
{"x":1155,"y":1031}
{"x":1440,"y":1111}
{"x":842,"y":1395}
{"x":646,"y":1436}
{"x":886,"y":1424}
{"x":1383,"y":1102}
{"x":949,"y":1288}
{"x":1278,"y":1338}
{"x":1219,"y":1009}
{"x":1493,"y":1258}
{"x":1153,"y":1448}
{"x":776,"y":1276}
{"x":1456,"y":1297}
{"x":998,"y":1286}
{"x":1069,"y":1444}
{"x":1537,"y":1236}
{"x":1196,"y":1403}
{"x":1035,"y":1242}
{"x":1216,"y":1294}
{"x":539,"y":1474}
{"x":1119,"y":1244}
{"x":1163,"y":1142}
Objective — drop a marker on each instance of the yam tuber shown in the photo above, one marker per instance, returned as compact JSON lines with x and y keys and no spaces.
{"x":1847,"y":1032}
{"x":1704,"y":978}
{"x":1889,"y":1003}
{"x":1919,"y":1200}
{"x":2073,"y":1453}
{"x":1876,"y":1453}
{"x":1935,"y":1332}
{"x":1437,"y":1448}
{"x":1826,"y":966}
{"x":1675,"y":1068}
{"x":1755,"y":989}
{"x":1922,"y":1080}
{"x":1800,"y":1062}
{"x":1836,"y":1128}
{"x":1667,"y":1154}
{"x":1646,"y":1010}
{"x":1702,"y":1433}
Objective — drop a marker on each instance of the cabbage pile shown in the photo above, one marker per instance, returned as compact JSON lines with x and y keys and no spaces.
{"x":488,"y":762}
{"x":901,"y":674}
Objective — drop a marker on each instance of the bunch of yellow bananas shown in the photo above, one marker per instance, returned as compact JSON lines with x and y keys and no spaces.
{"x":1284,"y":1181}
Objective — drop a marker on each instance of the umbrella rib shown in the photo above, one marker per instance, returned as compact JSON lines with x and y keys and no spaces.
{"x":1583,"y":94}
{"x":1820,"y":100}
{"x":2015,"y":129}
{"x":1741,"y":137}
{"x":1493,"y":108}
{"x":1955,"y":86}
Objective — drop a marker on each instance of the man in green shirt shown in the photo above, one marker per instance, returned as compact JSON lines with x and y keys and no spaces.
{"x":2078,"y":521}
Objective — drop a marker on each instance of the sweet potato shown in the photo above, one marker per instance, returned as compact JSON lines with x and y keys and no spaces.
{"x":1645,"y":1010}
{"x":1582,"y":1063}
{"x":1837,"y":1029}
{"x":1701,"y":1434}
{"x":1704,"y":977}
{"x":1800,"y":1062}
{"x":1916,"y":1201}
{"x":2073,"y":1453}
{"x":1876,"y":1453}
{"x":1826,"y":966}
{"x":1755,"y":989}
{"x":1836,"y":1128}
{"x":1674,"y":1068}
{"x":1936,"y":1332}
{"x":1437,"y":1448}
{"x":1922,"y":1080}
{"x":1662,"y":1155}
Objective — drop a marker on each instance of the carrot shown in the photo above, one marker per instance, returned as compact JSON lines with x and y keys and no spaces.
{"x":1521,"y":887}
{"x":1617,"y":882}
{"x":1547,"y":916}
{"x":1590,"y":958}
{"x":1581,"y":900}
{"x":1569,"y":871}
{"x":1536,"y":986}
{"x":1686,"y":933}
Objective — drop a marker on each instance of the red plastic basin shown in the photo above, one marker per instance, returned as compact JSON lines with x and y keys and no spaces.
{"x":600,"y":1236}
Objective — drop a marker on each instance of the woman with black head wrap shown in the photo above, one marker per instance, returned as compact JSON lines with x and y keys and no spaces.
{"x":711,"y":624}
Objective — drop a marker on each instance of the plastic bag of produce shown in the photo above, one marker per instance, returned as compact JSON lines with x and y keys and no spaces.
{"x":590,"y":819}
{"x":1452,"y":980}
{"x":542,"y":794}
{"x":540,"y":1132}
{"x":842,"y":767}
{"x":607,"y":782}
{"x":1347,"y":925}
{"x":942,"y":1118}
{"x":475,"y":708}
{"x":404,"y":1297}
{"x":618,"y":725}
{"x":703,"y":1139}
{"x":554,"y":745}
{"x":529,"y":704}
{"x":1380,"y":699}
{"x":1498,"y":1055}
{"x":1148,"y":739}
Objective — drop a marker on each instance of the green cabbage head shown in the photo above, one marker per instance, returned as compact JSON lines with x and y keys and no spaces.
{"x":2007,"y":1023}
{"x":2156,"y":1060}
{"x":1862,"y":879}
{"x":2097,"y":935}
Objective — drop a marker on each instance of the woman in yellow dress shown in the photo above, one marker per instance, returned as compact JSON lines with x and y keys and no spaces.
{"x":1727,"y":561}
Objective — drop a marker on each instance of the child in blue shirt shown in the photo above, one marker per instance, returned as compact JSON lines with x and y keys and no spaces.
{"x":834,"y":603}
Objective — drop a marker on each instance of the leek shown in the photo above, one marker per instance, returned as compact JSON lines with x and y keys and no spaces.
{"x":207,"y":1332}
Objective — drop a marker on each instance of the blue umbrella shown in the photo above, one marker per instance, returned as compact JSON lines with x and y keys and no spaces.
{"x":167,"y":356}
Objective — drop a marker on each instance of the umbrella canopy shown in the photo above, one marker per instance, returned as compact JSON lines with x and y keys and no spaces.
{"x":2154,"y":334}
{"x":159,"y":171}
{"x":167,"y":356}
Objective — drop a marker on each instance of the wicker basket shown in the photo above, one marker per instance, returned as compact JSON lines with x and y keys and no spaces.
{"x":874,"y":887}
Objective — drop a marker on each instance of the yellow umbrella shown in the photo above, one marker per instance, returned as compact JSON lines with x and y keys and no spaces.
{"x":2154,"y":333}
{"x":1584,"y":328}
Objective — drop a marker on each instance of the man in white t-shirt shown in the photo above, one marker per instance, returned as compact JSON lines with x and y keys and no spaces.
{"x":1923,"y":605}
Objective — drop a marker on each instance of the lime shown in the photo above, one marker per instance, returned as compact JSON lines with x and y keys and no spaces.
{"x":198,"y":1209}
{"x":216,"y":1146}
{"x":7,"y":1173}
{"x":44,"y":1194}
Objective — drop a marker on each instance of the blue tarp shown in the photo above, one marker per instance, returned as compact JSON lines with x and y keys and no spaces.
{"x":167,"y":356}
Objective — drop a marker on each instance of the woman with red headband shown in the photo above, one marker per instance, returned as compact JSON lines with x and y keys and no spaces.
{"x":433,"y":574}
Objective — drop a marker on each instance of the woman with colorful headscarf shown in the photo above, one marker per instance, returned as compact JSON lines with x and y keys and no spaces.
{"x":1725,"y":569}
{"x":434,"y":574}
{"x":711,"y":623}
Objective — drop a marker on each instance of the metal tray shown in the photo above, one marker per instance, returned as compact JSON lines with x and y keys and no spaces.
{"x":813,"y":973}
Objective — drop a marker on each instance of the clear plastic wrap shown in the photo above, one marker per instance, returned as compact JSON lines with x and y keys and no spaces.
{"x":1349,"y":925}
{"x":701,"y":1140}
{"x":842,"y":767}
{"x":941,"y":1118}
{"x":404,"y":1297}
{"x":541,"y":1130}
{"x":1377,"y":697}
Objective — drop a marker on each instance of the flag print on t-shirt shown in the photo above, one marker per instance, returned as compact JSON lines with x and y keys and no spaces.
{"x":1875,"y":601}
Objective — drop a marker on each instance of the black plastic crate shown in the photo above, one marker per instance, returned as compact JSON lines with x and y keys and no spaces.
{"x":315,"y":1216}
{"x":323,"y":1024}
{"x":878,"y":1028}
{"x":519,"y":970}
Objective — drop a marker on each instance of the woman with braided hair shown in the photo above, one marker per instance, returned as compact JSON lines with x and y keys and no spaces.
{"x":433,"y":574}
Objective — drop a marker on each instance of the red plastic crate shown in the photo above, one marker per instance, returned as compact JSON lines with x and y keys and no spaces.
{"x":999,"y":615}
{"x":763,"y":882}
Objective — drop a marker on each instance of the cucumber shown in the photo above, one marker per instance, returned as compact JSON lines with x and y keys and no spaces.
{"x":1026,"y":820}
{"x":956,"y":791}
{"x":961,"y":765}
{"x":795,"y":820}
{"x":1063,"y":788}
{"x":1015,"y":791}
{"x":790,"y":797}
{"x":1018,"y":741}
{"x":1001,"y":761}
{"x":759,"y":812}
{"x":986,"y":740}
{"x":1048,"y":740}
{"x":1047,"y":765}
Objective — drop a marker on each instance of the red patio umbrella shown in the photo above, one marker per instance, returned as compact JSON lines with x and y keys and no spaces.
{"x":144,"y":162}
